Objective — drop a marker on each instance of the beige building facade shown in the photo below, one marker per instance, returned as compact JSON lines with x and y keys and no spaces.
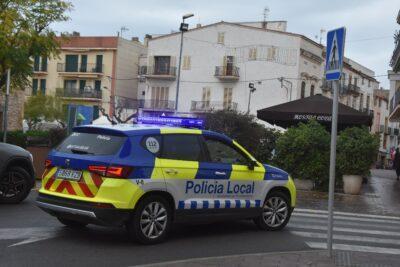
{"x":90,"y":73}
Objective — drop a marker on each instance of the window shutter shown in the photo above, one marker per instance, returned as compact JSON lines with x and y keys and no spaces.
{"x":34,"y":86}
{"x":43,"y":86}
{"x":44,"y":63}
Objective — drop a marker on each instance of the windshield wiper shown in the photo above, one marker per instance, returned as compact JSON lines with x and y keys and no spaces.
{"x":77,"y":151}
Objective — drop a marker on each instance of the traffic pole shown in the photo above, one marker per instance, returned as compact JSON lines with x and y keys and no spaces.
{"x":5,"y":115}
{"x":332,"y":166}
{"x":179,"y":74}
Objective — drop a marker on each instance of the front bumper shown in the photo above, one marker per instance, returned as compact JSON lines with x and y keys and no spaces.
{"x":82,"y":211}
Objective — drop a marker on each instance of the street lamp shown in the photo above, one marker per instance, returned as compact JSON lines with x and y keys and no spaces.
{"x":252,"y":90}
{"x":183,"y":28}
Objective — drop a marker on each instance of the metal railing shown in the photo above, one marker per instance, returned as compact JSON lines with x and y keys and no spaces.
{"x":205,"y":106}
{"x":394,"y":102}
{"x":158,"y":70}
{"x":88,"y":68}
{"x":227,"y":71}
{"x":40,"y":68}
{"x":78,"y":93}
{"x":352,"y":88}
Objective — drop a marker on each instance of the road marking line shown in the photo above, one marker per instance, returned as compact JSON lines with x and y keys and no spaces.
{"x":349,"y":238}
{"x":350,"y":214}
{"x":344,"y":223}
{"x":337,"y":217}
{"x":321,"y":245}
{"x":345,"y":229}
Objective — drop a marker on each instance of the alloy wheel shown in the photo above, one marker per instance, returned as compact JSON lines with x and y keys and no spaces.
{"x":153,"y":220}
{"x":275,"y":211}
{"x":11,"y":184}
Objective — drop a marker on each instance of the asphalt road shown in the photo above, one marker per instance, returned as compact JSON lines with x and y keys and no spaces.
{"x":30,"y":237}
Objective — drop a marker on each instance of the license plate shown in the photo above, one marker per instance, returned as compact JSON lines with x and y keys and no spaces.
{"x":69,"y":174}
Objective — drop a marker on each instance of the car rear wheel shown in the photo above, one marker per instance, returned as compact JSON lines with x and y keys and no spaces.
{"x":275,"y":212}
{"x":15,"y":185}
{"x":151,"y":220}
{"x":71,"y":223}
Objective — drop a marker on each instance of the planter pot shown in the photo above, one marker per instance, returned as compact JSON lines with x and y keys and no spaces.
{"x":352,"y":184}
{"x":304,"y":184}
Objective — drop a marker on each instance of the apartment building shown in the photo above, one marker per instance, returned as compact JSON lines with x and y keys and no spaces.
{"x":381,"y":126}
{"x":221,"y":59}
{"x":89,"y":73}
{"x":394,"y":77}
{"x":218,"y":63}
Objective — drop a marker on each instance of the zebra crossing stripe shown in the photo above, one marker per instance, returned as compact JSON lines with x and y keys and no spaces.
{"x":349,"y":214}
{"x":344,"y":229}
{"x":344,"y":223}
{"x":381,"y":250}
{"x":348,"y":238}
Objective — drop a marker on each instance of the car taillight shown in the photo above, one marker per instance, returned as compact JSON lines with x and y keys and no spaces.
{"x":47,"y":163}
{"x":111,"y":171}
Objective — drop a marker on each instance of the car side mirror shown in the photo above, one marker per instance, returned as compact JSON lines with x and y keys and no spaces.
{"x":252,"y":164}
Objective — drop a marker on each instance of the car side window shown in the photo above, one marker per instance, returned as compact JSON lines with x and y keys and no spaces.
{"x":221,"y":152}
{"x":182,"y":147}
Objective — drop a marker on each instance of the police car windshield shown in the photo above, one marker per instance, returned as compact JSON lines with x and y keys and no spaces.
{"x":91,"y":144}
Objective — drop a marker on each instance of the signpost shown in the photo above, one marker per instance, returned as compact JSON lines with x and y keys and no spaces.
{"x":333,"y":71}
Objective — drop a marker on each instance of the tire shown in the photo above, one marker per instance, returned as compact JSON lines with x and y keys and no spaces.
{"x":276,"y":212}
{"x":151,"y":220}
{"x":71,"y":223}
{"x":15,"y":185}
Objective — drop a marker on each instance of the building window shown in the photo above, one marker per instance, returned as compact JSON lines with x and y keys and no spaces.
{"x":221,"y":38}
{"x":34,"y":86}
{"x":253,"y":53}
{"x":367,"y":104}
{"x":97,"y":85}
{"x":162,"y":65}
{"x":206,"y":97}
{"x":362,"y":81}
{"x":353,"y":104}
{"x":71,"y":63}
{"x":369,"y":83}
{"x":271,"y":53}
{"x":43,"y":86}
{"x":312,"y":90}
{"x":70,"y":84}
{"x":99,"y":64}
{"x":227,"y":98}
{"x":303,"y":89}
{"x":186,"y":63}
{"x":159,"y":97}
{"x":361,"y":102}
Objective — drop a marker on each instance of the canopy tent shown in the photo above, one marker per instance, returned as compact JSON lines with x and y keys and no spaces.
{"x":316,"y":107}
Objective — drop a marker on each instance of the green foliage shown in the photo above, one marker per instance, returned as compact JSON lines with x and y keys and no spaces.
{"x":40,"y":108}
{"x":356,"y":151}
{"x":257,"y":139}
{"x":17,"y":138}
{"x":25,"y":33}
{"x":303,"y":151}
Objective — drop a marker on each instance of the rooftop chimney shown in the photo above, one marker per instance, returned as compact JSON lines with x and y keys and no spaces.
{"x":76,"y":34}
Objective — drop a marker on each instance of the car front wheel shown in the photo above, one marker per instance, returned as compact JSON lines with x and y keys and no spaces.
{"x":15,"y":185}
{"x":151,"y":220}
{"x":275,"y":212}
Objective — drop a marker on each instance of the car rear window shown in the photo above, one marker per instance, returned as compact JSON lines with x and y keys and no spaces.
{"x":92,"y":144}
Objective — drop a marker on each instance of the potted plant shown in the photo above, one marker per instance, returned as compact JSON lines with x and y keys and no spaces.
{"x":356,"y":152}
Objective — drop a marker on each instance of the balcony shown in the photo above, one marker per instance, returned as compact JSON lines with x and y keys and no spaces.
{"x":344,"y":89}
{"x":209,"y":106}
{"x":92,"y":94}
{"x":82,"y":71}
{"x":40,"y":70}
{"x":352,"y":89}
{"x":160,"y":105}
{"x":227,"y":73}
{"x":158,"y":72}
{"x":395,"y":60}
{"x":395,"y":107}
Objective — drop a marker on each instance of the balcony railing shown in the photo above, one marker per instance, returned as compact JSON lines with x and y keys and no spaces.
{"x":158,"y":71}
{"x":88,"y":68}
{"x":352,"y":88}
{"x":78,"y":93}
{"x":394,"y":102}
{"x":40,"y":68}
{"x":395,"y":60}
{"x":207,"y":106}
{"x":227,"y":72}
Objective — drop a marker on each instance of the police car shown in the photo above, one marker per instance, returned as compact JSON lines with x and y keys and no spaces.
{"x":146,"y":177}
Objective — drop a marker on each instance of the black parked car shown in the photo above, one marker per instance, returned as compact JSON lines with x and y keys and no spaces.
{"x":17,"y":175}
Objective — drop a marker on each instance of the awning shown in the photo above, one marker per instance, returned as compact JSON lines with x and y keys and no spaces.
{"x":316,"y":107}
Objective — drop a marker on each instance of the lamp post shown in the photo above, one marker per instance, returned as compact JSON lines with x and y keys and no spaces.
{"x":183,"y":28}
{"x":252,"y":90}
{"x":281,"y":79}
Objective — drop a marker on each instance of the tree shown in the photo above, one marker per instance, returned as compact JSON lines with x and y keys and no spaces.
{"x":303,"y":151}
{"x":41,"y":108}
{"x":25,"y":33}
{"x":242,"y":127}
{"x":122,"y":105}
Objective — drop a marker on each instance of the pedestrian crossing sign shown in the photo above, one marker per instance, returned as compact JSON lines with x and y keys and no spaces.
{"x":334,"y":53}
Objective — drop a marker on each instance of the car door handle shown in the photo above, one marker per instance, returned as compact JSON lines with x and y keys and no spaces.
{"x":220,"y":173}
{"x":171,"y":171}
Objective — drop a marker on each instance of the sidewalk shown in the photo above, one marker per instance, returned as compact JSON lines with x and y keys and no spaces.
{"x":381,"y":195}
{"x":317,"y":258}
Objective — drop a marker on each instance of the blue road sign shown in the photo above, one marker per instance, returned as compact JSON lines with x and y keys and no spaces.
{"x":334,"y":53}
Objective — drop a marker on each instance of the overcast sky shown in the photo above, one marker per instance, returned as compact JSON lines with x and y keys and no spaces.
{"x":370,"y":23}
